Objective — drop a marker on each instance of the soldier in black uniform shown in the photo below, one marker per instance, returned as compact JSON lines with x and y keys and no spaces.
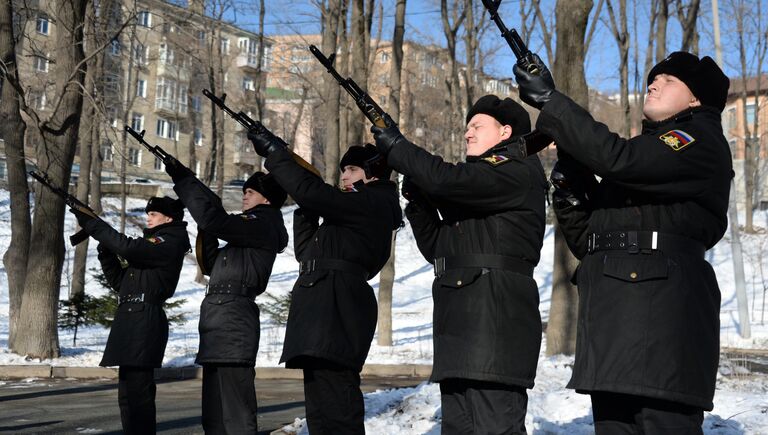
{"x":229,"y":318}
{"x":484,"y":244}
{"x":333,"y":310}
{"x":648,"y":329}
{"x":145,"y":272}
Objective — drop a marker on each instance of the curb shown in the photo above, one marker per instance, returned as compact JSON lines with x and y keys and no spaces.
{"x":194,"y":372}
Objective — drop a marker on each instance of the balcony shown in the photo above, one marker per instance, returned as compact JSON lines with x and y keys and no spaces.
{"x":248,"y":61}
{"x":175,"y":72}
{"x":244,"y":158}
{"x":171,"y":107}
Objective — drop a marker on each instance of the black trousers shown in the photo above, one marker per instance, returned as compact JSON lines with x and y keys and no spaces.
{"x":229,"y":399}
{"x":626,"y":414}
{"x":136,"y":396}
{"x":480,"y":408}
{"x":333,"y":400}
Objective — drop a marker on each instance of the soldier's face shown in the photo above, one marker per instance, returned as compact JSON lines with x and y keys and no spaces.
{"x":667,"y":96}
{"x":155,"y":218}
{"x":352,"y":174}
{"x":483,"y":133}
{"x":252,"y":198}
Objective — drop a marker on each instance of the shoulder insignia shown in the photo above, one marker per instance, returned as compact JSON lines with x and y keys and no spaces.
{"x":349,"y":189}
{"x":496,"y":159}
{"x":248,"y":216}
{"x":155,"y":240}
{"x":677,"y":139}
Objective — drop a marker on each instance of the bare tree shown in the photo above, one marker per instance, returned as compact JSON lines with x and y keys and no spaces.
{"x":37,"y":335}
{"x":569,"y":76}
{"x":687,"y":15}
{"x":12,"y":129}
{"x":387,"y":277}
{"x":452,"y":19}
{"x":330,"y":11}
{"x":662,"y":18}
{"x":621,"y":35}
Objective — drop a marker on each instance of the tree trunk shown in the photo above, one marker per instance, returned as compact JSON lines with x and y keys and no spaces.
{"x":331,"y":93}
{"x":688,"y":24}
{"x":359,"y":34}
{"x":661,"y":30}
{"x":450,"y":30}
{"x":387,"y":277}
{"x":38,"y":335}
{"x":12,"y":128}
{"x":621,"y":35}
{"x":569,"y":76}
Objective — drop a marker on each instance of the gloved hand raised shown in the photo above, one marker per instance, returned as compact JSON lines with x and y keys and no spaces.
{"x":535,"y":89}
{"x":177,"y":170}
{"x":264,"y":141}
{"x":386,"y":137}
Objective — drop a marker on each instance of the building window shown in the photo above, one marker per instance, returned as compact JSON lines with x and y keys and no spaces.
{"x":384,"y":57}
{"x":159,"y":166}
{"x":111,"y":83}
{"x":197,"y":104}
{"x":198,"y":136}
{"x":112,"y":116}
{"x":3,"y":170}
{"x":750,"y":115}
{"x":137,"y":121}
{"x":139,"y":54}
{"x":36,"y":99}
{"x":141,"y":88}
{"x":40,"y":63}
{"x":114,"y":47}
{"x":266,"y":58}
{"x":166,"y":129}
{"x":166,"y":54}
{"x":106,"y":152}
{"x":171,"y":95}
{"x":143,"y":18}
{"x":197,"y":168}
{"x":134,"y":156}
{"x":201,"y":37}
{"x":248,"y":84}
{"x":224,"y":45}
{"x":42,"y":25}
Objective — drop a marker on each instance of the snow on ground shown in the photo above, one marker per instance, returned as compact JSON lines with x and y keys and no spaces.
{"x":740,"y":403}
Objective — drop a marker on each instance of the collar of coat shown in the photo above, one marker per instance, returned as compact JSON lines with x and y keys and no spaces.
{"x":149,"y":232}
{"x":508,"y":148}
{"x":684,"y":116}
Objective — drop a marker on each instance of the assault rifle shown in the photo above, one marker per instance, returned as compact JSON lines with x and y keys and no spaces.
{"x":522,"y":53}
{"x":70,"y":200}
{"x":250,"y":124}
{"x":364,"y":101}
{"x":156,"y":150}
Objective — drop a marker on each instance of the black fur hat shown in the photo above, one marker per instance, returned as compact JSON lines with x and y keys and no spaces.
{"x":266,"y":185}
{"x":506,"y":111}
{"x":367,"y":157}
{"x":703,"y":77}
{"x":173,"y":208}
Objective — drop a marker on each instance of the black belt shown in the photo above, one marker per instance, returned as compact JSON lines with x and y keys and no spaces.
{"x":310,"y":266}
{"x":136,"y":298}
{"x":230,"y":289}
{"x":643,"y":241}
{"x":514,"y":264}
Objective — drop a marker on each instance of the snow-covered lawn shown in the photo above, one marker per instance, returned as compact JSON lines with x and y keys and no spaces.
{"x":741,"y":405}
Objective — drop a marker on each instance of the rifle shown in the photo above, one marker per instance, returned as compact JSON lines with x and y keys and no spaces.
{"x":156,"y":150}
{"x":250,"y":124}
{"x":70,"y":200}
{"x":522,"y":53}
{"x":364,"y":101}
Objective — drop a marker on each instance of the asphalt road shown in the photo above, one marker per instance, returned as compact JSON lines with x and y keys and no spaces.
{"x":90,"y":406}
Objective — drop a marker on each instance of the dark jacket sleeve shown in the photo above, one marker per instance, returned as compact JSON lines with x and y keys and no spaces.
{"x":425,"y":223}
{"x":313,"y":194}
{"x":488,"y":188}
{"x":644,"y":163}
{"x":136,"y":251}
{"x":110,"y":264}
{"x":305,"y":225}
{"x":207,"y":210}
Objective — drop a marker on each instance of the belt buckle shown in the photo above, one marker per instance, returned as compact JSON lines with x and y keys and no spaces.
{"x":591,"y":243}
{"x":439,"y":266}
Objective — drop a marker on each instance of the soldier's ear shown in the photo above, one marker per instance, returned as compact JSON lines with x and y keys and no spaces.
{"x":694,"y":102}
{"x":506,"y":131}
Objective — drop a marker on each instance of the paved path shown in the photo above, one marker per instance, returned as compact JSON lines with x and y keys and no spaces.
{"x":54,"y":405}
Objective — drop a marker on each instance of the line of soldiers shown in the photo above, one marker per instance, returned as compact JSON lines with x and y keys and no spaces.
{"x":639,"y":213}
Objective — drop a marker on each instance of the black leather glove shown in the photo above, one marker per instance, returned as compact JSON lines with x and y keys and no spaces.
{"x":410,"y":190}
{"x":572,"y":181}
{"x":82,"y":218}
{"x":177,"y":170}
{"x":264,"y":141}
{"x":386,"y":137}
{"x":535,"y":89}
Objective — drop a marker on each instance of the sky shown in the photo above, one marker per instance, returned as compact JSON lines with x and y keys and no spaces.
{"x":423,"y":25}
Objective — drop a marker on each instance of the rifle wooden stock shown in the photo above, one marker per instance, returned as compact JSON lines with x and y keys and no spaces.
{"x":370,"y":109}
{"x":251,"y":124}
